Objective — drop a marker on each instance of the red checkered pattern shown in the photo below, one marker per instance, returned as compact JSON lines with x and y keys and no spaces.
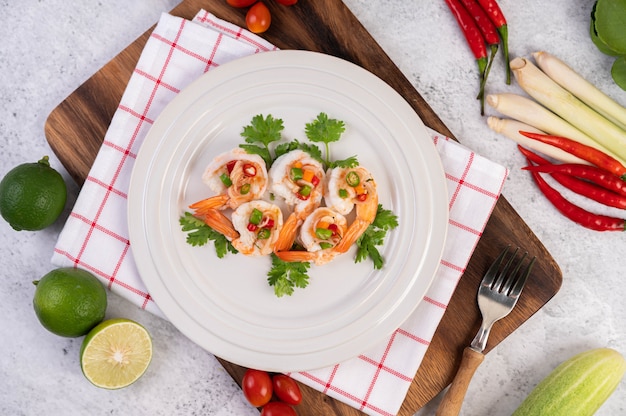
{"x":95,"y":236}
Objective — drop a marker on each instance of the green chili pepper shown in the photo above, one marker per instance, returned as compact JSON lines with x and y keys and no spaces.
{"x":352,"y":179}
{"x":343,"y":193}
{"x":323,"y":233}
{"x":263,"y":234}
{"x":324,"y":245}
{"x":305,"y":190}
{"x":256,"y":216}
{"x":296,"y":174}
{"x":245,"y":188}
{"x":226,"y":180}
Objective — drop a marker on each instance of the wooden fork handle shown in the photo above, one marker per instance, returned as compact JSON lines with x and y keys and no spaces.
{"x":453,"y":399}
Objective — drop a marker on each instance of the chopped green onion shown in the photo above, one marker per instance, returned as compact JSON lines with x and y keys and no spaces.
{"x":256,"y":216}
{"x":263,"y":234}
{"x":226,"y":180}
{"x":352,"y":179}
{"x":296,"y":174}
{"x":323,"y":233}
{"x":343,"y":193}
{"x":245,"y":188}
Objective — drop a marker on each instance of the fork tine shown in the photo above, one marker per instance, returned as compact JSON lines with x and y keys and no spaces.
{"x":504,"y":272}
{"x":519,"y":285}
{"x":492,"y":272}
{"x":512,"y":277}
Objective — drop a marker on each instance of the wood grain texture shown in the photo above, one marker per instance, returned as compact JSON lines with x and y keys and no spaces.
{"x":76,"y":128}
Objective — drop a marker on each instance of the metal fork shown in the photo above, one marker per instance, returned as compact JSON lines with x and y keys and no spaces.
{"x":498,"y":293}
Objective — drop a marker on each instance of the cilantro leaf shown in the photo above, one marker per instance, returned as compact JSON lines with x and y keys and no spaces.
{"x":311,"y":149}
{"x":374,"y":236}
{"x":199,"y":234}
{"x":350,"y":162}
{"x":325,"y":130}
{"x":263,"y":130}
{"x":285,"y":276}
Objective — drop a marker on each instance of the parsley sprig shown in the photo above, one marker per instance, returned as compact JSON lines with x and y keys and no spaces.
{"x":285,"y":276}
{"x":263,"y":131}
{"x":199,"y":234}
{"x":374,"y":236}
{"x":325,"y":130}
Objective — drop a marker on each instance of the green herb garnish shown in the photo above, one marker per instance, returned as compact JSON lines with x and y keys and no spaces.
{"x":285,"y":276}
{"x":374,"y":236}
{"x":311,"y":149}
{"x":264,"y":131}
{"x":199,"y":234}
{"x":325,"y":130}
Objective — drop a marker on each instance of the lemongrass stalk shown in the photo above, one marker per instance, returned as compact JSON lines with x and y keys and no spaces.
{"x":582,"y":89}
{"x":547,"y":92}
{"x":527,"y":111}
{"x":511,"y":128}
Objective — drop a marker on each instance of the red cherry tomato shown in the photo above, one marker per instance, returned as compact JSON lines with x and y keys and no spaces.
{"x":286,"y":389}
{"x":257,"y":387}
{"x":240,"y":3}
{"x":258,"y":18}
{"x":278,"y":409}
{"x":287,"y":2}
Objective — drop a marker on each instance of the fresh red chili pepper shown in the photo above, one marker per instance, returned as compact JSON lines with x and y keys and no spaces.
{"x":230,"y":166}
{"x":581,"y":187}
{"x":574,"y":212}
{"x":588,"y":153}
{"x":474,"y":38}
{"x":249,"y":169}
{"x":497,"y":17}
{"x":489,"y":31}
{"x":591,"y":173}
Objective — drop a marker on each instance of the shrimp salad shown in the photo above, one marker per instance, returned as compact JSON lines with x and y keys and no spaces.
{"x":284,"y":200}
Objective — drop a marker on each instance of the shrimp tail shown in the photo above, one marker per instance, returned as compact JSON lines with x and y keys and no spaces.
{"x":287,"y":234}
{"x":294,"y":256}
{"x":356,"y":229}
{"x":208,"y":204}
{"x":220,"y":223}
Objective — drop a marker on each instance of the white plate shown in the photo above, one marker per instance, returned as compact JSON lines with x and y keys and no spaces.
{"x":225,"y":305}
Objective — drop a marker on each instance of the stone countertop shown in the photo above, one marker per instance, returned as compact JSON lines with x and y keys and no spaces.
{"x":50,"y":47}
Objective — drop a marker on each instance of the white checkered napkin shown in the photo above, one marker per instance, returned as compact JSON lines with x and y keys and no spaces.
{"x":95,"y":236}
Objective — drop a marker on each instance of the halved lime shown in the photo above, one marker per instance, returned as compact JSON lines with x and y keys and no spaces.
{"x":116,"y":353}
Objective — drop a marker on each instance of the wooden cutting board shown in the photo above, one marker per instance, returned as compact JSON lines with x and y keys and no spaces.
{"x":75,"y":130}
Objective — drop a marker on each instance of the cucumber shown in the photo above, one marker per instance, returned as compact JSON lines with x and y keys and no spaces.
{"x":578,"y":386}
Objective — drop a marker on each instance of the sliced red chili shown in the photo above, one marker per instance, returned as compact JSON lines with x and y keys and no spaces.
{"x":230,"y":166}
{"x":315,"y":181}
{"x":252,"y":227}
{"x":334,"y":228}
{"x":249,"y":170}
{"x":361,"y":197}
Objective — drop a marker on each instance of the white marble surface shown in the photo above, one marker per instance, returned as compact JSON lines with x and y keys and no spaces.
{"x":49,"y":47}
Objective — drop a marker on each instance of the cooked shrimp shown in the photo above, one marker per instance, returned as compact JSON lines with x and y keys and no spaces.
{"x":320,"y":233}
{"x":236,"y":177}
{"x":254,"y":228}
{"x":297,"y":178}
{"x":349,"y":187}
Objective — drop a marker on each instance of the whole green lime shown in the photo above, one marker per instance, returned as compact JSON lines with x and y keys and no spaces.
{"x":69,"y":302}
{"x":32,"y":196}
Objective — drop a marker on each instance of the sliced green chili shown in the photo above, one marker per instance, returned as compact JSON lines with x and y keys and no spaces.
{"x":296,"y":174}
{"x":352,"y":179}
{"x":323,"y":233}
{"x":226,"y":180}
{"x":245,"y":188}
{"x":256,"y":216}
{"x":263,"y":234}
